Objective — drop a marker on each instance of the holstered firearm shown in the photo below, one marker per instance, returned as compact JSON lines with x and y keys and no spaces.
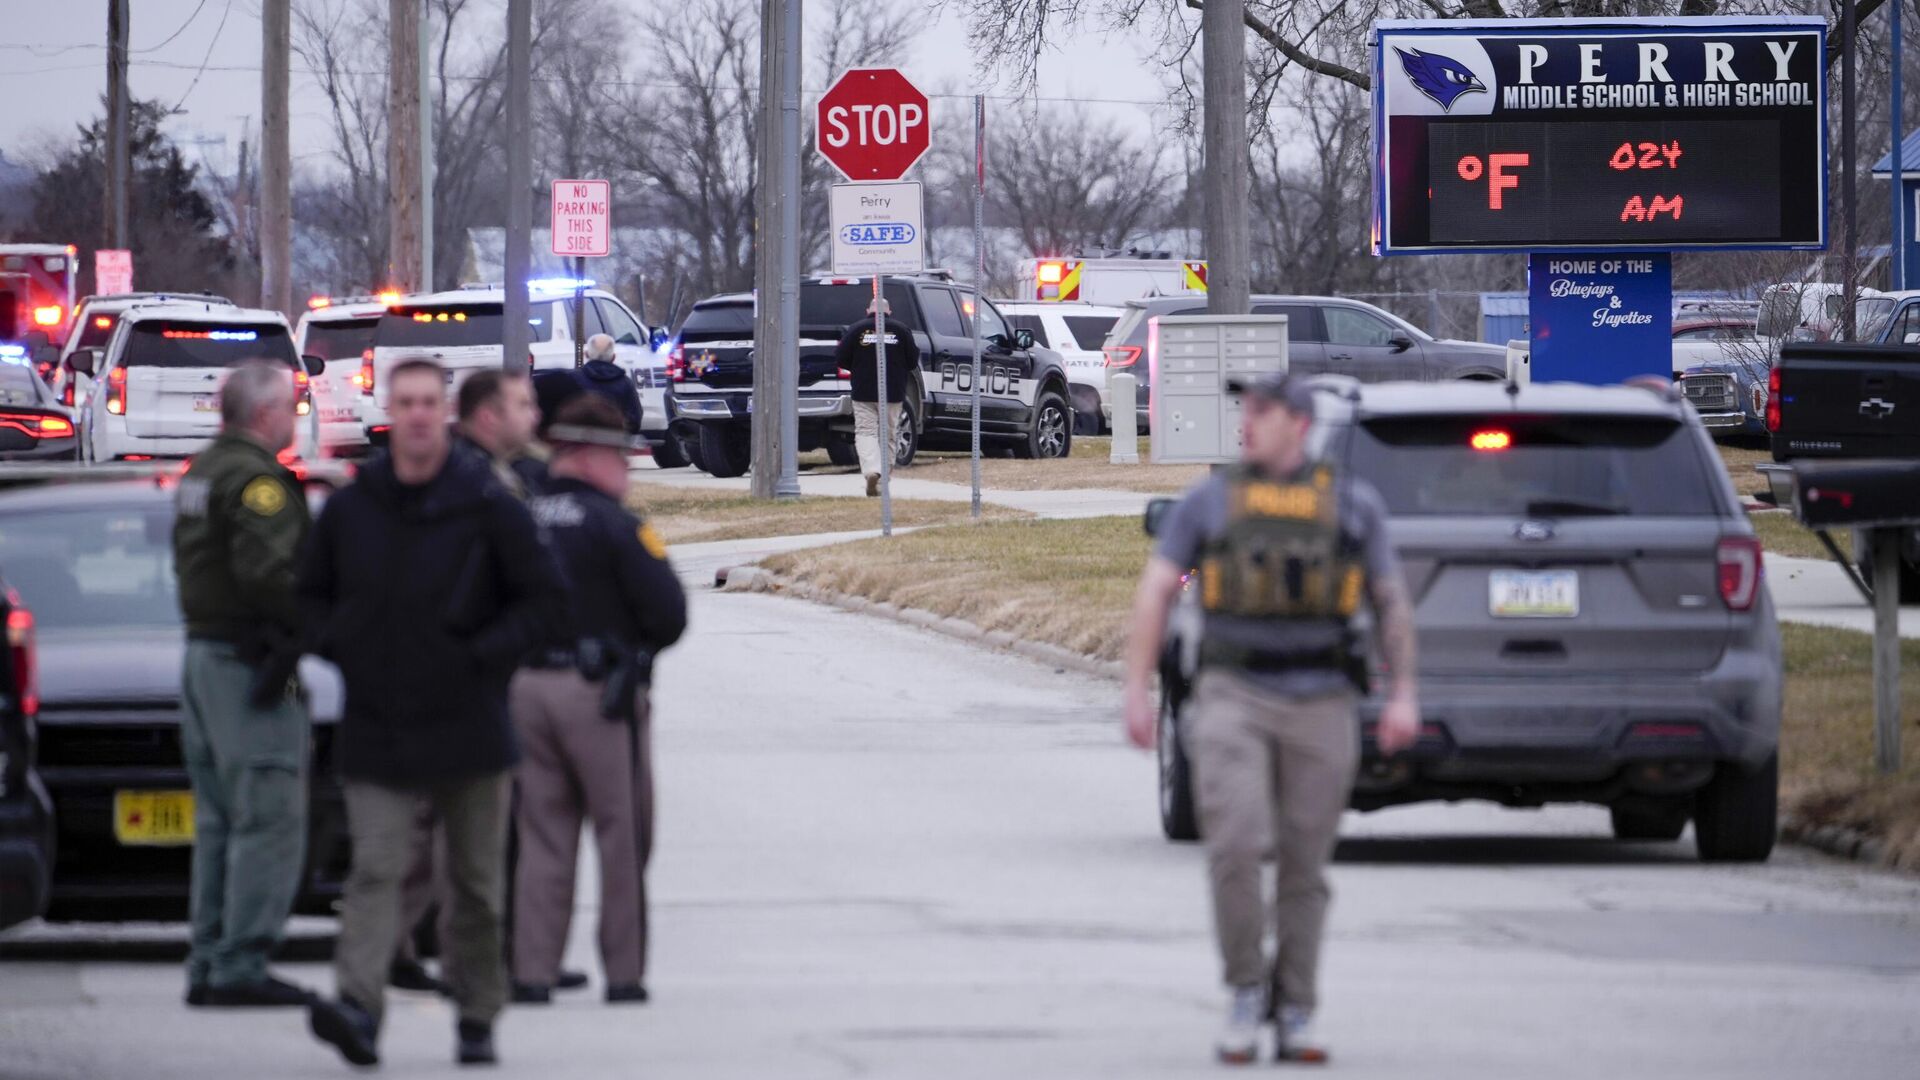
{"x":625,"y":670}
{"x":273,"y":652}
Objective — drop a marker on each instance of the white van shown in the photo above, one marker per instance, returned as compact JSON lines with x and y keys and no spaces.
{"x":156,"y":390}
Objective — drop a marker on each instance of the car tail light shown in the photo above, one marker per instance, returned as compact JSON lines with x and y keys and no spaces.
{"x":1122,"y":355}
{"x":117,"y":391}
{"x":21,"y":650}
{"x":302,"y":394}
{"x":49,"y":315}
{"x":1491,"y":440}
{"x":364,"y":377}
{"x":1740,"y":567}
{"x":35,"y":425}
{"x":677,"y":363}
{"x":1773,"y":399}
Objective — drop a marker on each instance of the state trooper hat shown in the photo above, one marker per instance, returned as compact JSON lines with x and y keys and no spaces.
{"x":1277,"y":387}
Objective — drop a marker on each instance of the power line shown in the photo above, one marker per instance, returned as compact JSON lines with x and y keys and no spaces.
{"x":211,"y":45}
{"x":201,"y":6}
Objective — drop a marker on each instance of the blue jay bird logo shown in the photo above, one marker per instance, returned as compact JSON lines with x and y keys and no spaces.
{"x":1441,"y":78}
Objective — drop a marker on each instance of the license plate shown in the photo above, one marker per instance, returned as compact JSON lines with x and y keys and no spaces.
{"x":206,"y":403}
{"x":153,"y":818}
{"x":1518,"y":594}
{"x":337,"y":416}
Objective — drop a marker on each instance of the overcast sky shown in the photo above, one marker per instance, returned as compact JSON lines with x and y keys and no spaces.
{"x":207,"y":61}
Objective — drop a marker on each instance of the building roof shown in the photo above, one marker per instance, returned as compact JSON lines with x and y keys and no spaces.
{"x":1909,"y":157}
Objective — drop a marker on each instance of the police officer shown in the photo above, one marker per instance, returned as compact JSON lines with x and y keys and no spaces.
{"x":1285,"y":549}
{"x":497,"y":417}
{"x":581,"y":710}
{"x":857,"y":355}
{"x":244,"y":731}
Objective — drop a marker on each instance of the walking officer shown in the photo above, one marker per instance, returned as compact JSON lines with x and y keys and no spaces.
{"x":1285,"y":550}
{"x":581,"y":710}
{"x":240,"y":520}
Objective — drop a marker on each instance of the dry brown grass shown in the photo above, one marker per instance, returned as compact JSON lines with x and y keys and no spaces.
{"x":1740,"y":461}
{"x":695,"y":515}
{"x":1086,"y":467}
{"x":1780,"y":534}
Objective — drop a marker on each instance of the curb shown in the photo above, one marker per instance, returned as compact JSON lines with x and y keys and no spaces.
{"x":1839,"y":841}
{"x":759,"y":579}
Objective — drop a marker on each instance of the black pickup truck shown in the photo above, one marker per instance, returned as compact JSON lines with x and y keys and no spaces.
{"x":1832,"y":400}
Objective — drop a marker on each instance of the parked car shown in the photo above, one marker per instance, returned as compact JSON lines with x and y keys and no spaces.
{"x":33,"y":423}
{"x":95,"y":563}
{"x":1710,"y":339}
{"x":1587,"y":589}
{"x":1076,"y":331}
{"x":1325,"y":334}
{"x":1730,"y":395}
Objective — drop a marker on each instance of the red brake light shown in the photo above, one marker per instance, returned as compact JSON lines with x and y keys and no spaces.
{"x":55,"y":425}
{"x":364,"y":377}
{"x":677,"y":363}
{"x":1740,"y":569}
{"x":21,"y":651}
{"x":1773,"y":399}
{"x":1122,"y":355}
{"x":117,"y":391}
{"x":49,"y":315}
{"x":1491,"y":440}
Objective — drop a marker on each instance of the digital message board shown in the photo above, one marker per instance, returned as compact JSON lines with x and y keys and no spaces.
{"x":1612,"y":134}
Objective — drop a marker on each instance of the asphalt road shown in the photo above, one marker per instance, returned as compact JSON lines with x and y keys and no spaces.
{"x":885,"y":853}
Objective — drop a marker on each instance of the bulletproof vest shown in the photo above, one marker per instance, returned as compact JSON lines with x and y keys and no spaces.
{"x":1282,"y":555}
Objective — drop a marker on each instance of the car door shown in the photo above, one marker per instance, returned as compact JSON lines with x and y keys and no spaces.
{"x":1361,"y":344}
{"x":634,"y":353}
{"x":946,"y":369}
{"x":1306,"y":338}
{"x":1007,"y":374}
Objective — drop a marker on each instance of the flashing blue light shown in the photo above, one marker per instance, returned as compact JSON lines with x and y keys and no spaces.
{"x":558,"y":284}
{"x":234,"y":335}
{"x":13,"y":354}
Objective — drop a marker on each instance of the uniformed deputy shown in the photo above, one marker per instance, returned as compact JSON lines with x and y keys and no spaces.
{"x":1285,"y":551}
{"x":581,"y":710}
{"x":244,"y":731}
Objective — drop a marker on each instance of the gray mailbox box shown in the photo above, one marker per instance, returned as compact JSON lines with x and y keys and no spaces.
{"x":1194,"y":420}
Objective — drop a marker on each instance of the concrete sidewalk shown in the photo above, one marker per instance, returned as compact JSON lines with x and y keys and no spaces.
{"x":1062,"y":503}
{"x":1817,"y":591}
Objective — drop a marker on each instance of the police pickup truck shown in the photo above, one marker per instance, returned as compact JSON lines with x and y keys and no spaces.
{"x":1024,"y":390}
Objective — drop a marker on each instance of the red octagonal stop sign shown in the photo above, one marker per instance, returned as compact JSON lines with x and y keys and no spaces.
{"x":872,"y":124}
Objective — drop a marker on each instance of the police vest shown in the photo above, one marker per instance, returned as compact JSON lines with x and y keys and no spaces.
{"x":1282,"y":554}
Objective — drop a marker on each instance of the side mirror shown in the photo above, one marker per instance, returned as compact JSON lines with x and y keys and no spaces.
{"x":83,"y":361}
{"x":1400,"y":342}
{"x":314,"y":365}
{"x":1157,"y":511}
{"x":1023,"y":339}
{"x":657,"y":338}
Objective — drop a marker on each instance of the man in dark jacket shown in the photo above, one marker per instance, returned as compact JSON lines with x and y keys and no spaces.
{"x":857,"y":356}
{"x":580,"y":708}
{"x":599,"y":374}
{"x":429,"y":585}
{"x":498,"y":417}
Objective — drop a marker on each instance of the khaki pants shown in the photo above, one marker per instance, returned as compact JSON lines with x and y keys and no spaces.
{"x":1271,"y":774}
{"x":578,"y":767}
{"x":384,"y":823}
{"x":866,"y":433}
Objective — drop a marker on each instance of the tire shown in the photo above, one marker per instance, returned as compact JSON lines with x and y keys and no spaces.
{"x":724,"y":452}
{"x":840,"y":451}
{"x":668,"y":454}
{"x":906,"y":437}
{"x":1051,"y":434}
{"x":1177,"y":818}
{"x":1645,"y":822}
{"x":1735,"y":817}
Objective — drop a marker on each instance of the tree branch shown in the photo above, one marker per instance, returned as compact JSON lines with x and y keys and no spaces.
{"x":1299,"y":56}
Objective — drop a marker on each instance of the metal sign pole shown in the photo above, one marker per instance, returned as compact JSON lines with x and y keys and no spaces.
{"x":1899,"y":174}
{"x":579,"y":312}
{"x":979,"y":274}
{"x":886,"y":409}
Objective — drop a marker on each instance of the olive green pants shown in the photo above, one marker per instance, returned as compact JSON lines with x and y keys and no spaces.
{"x":1271,"y":775}
{"x":248,"y":768}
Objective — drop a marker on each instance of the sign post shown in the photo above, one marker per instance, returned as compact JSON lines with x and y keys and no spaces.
{"x":580,"y":229}
{"x":872,"y":126}
{"x":979,"y":281}
{"x":112,"y":271}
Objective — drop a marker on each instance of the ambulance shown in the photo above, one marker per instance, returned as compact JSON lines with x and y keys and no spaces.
{"x":36,"y":298}
{"x":1110,"y":279}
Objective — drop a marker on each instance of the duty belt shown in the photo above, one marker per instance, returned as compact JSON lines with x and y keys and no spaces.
{"x":1219,"y":654}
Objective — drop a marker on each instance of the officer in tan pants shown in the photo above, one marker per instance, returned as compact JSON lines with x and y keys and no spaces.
{"x":1285,"y":550}
{"x":581,"y":713}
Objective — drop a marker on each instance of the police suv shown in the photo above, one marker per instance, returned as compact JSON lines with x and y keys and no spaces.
{"x":338,"y":332}
{"x":94,"y":322}
{"x":1024,"y":387}
{"x":157,"y":380}
{"x":462,"y":331}
{"x":1077,"y":331}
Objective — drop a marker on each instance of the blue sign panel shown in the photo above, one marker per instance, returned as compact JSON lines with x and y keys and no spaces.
{"x":1600,"y":318}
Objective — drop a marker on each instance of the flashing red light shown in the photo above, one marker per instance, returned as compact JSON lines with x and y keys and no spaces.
{"x":1491,"y":440}
{"x":388,"y":297}
{"x":1740,"y":569}
{"x":21,"y":650}
{"x":315,"y":303}
{"x":1051,"y":273}
{"x":364,"y":377}
{"x":102,"y":322}
{"x":49,"y":315}
{"x":677,"y":363}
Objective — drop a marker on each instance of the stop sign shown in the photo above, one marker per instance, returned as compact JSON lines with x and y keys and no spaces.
{"x":872,"y":124}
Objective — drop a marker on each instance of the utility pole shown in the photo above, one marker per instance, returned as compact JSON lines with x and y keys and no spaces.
{"x":403,"y":144}
{"x":519,"y":181}
{"x":276,"y":196}
{"x":426,"y":145}
{"x":776,"y":357}
{"x":1223,"y":37}
{"x":1899,"y":177}
{"x":119,"y":127}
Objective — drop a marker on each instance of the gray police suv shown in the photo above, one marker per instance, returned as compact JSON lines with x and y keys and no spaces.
{"x":1593,"y":624}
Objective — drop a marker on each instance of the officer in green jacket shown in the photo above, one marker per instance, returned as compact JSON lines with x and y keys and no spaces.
{"x":240,"y":520}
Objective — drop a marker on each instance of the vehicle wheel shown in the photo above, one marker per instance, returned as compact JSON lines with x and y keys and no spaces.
{"x":1650,"y":822}
{"x":724,"y":452}
{"x":840,"y":451}
{"x":1177,"y":818}
{"x":1051,"y":435}
{"x":1735,"y":815}
{"x":667,"y":454}
{"x":906,"y":438}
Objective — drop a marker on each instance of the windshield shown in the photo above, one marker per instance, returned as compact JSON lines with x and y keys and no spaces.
{"x":1520,"y":466}
{"x":95,"y":329}
{"x":719,"y":322}
{"x":1872,"y":314}
{"x":456,"y":326}
{"x":840,"y":306}
{"x":1779,"y":311}
{"x":205,"y":345}
{"x":340,"y":339}
{"x":92,"y":567}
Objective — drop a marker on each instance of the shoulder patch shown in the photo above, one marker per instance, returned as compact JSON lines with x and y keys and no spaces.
{"x":264,"y":496}
{"x":650,"y":540}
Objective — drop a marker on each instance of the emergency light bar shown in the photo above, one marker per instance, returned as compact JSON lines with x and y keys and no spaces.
{"x":13,"y":354}
{"x":211,"y":335}
{"x":558,"y":284}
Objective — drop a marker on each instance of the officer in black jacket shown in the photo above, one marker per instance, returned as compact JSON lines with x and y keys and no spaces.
{"x":858,"y":356}
{"x":581,"y":710}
